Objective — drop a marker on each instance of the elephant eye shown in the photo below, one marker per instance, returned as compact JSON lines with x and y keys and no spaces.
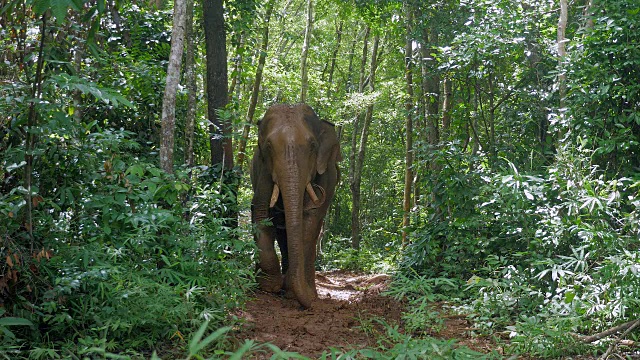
{"x":268,"y":146}
{"x":313,"y":145}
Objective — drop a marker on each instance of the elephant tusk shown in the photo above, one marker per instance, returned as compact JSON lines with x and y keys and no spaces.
{"x":312,"y":193}
{"x":274,"y":195}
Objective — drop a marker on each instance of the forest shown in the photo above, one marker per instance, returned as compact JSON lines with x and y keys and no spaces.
{"x":487,"y":205}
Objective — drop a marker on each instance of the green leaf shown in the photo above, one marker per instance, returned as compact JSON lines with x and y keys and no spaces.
{"x":195,"y":345}
{"x":238,"y":354}
{"x":15,"y":321}
{"x":59,"y":10}
{"x":14,"y":166}
{"x":120,"y":198}
{"x":569,"y":296}
{"x":41,"y":6}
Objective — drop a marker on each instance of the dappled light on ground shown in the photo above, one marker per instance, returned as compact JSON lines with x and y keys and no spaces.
{"x":334,"y":320}
{"x":344,"y":317}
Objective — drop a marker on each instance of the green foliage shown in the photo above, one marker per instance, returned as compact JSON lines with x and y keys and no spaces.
{"x":394,"y":344}
{"x":604,"y":92}
{"x":110,"y":232}
{"x":544,"y":338}
{"x":338,"y":254}
{"x":548,"y":252}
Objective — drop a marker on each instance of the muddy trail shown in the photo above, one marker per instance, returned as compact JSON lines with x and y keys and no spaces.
{"x":346,"y":302}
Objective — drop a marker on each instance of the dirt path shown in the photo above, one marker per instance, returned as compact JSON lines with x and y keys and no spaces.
{"x":333,"y":321}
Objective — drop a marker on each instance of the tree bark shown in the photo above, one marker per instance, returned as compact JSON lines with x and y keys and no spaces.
{"x":256,"y":86}
{"x":334,"y":57}
{"x":408,"y":162}
{"x":305,"y":53}
{"x":190,"y":79}
{"x":36,"y":92}
{"x":237,"y":68}
{"x":217,"y":86}
{"x":173,"y":79}
{"x":430,"y":86}
{"x":356,"y":123}
{"x":355,"y":202}
{"x":447,"y":104}
{"x":562,"y":52}
{"x":356,"y":224}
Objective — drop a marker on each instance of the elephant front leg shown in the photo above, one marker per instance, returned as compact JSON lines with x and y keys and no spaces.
{"x":313,"y":224}
{"x":269,"y":276}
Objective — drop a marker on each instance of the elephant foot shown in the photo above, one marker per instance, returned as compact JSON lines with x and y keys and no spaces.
{"x":270,"y":283}
{"x":289,"y":294}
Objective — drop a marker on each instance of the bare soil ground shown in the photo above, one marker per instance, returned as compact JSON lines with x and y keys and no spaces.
{"x":346,"y":301}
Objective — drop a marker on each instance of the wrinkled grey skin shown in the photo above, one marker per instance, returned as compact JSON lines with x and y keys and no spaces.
{"x":297,"y":152}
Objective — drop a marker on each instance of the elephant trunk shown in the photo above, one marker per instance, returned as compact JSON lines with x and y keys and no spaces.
{"x":292,"y":190}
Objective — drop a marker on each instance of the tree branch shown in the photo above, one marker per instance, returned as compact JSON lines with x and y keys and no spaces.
{"x":628,"y":326}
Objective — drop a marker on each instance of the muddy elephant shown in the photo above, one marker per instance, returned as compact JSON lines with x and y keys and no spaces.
{"x":294,"y":174}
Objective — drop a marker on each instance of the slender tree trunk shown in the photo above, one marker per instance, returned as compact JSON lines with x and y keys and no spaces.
{"x":430,"y":86}
{"x":356,"y":123}
{"x":492,"y":120}
{"x":352,"y":53}
{"x":237,"y":67}
{"x":190,"y":79}
{"x":256,"y":86}
{"x":36,"y":92}
{"x":355,"y":211}
{"x":171,"y":87}
{"x":305,"y":52}
{"x":447,"y":104}
{"x":334,"y":57}
{"x":408,"y":162}
{"x":356,"y":226}
{"x":562,"y":52}
{"x":217,"y":86}
{"x":431,"y":91}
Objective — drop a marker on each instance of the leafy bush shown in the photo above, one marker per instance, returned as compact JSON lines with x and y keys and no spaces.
{"x":394,"y":344}
{"x":111,"y":235}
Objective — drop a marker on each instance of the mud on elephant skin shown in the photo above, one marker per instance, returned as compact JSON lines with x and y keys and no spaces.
{"x":294,"y":174}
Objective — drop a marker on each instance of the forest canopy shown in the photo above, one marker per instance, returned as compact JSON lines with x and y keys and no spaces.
{"x":491,"y":161}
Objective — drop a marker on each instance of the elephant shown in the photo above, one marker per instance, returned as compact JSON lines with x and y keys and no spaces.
{"x":294,"y":173}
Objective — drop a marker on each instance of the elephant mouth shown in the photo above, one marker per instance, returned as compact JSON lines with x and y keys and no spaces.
{"x":311,"y":189}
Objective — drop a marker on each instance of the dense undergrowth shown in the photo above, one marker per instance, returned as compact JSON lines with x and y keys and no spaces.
{"x":526,"y":214}
{"x":122,"y":257}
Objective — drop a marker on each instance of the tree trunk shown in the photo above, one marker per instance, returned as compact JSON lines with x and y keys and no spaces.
{"x":217,"y":86}
{"x":430,"y":86}
{"x":173,"y":79}
{"x":562,"y":52}
{"x":355,"y":211}
{"x":357,"y":179}
{"x":305,"y":52}
{"x":408,"y":168}
{"x":256,"y":86}
{"x":190,"y":79}
{"x":334,"y":57}
{"x":447,"y":104}
{"x":431,"y":91}
{"x":36,"y":92}
{"x":237,"y":69}
{"x":356,"y":123}
{"x":349,"y":75}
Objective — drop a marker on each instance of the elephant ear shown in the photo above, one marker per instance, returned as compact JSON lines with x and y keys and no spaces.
{"x":328,"y":147}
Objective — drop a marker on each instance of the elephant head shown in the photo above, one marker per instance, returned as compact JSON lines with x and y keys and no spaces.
{"x":294,"y":174}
